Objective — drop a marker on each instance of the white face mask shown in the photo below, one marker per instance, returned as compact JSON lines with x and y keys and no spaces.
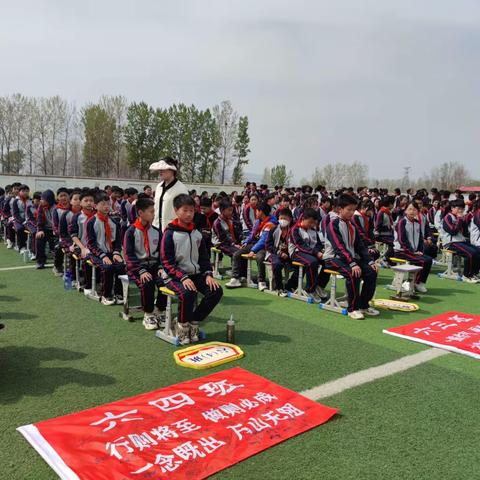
{"x":283,"y":223}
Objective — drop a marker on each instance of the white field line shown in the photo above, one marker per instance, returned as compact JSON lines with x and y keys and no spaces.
{"x":23,"y":267}
{"x":371,"y":374}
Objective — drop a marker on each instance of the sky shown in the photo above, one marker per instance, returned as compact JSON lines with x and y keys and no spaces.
{"x":389,"y":83}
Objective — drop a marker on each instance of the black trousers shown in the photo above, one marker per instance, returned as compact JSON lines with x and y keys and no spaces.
{"x":111,"y":285}
{"x":148,"y":289}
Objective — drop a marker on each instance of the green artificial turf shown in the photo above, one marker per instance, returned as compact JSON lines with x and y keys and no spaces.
{"x":62,"y":353}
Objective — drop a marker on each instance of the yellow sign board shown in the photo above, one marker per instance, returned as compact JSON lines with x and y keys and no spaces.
{"x":207,"y":355}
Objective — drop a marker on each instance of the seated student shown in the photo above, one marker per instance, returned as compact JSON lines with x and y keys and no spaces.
{"x":363,"y":221}
{"x":65,"y":220}
{"x":188,"y":270}
{"x":305,"y":246}
{"x":453,"y":234}
{"x":325,"y":207}
{"x":31,"y":223}
{"x":141,"y":248}
{"x":474,"y":226}
{"x":78,"y":233}
{"x":125,"y":208}
{"x":409,"y":244}
{"x":432,"y":211}
{"x":203,"y":221}
{"x":61,"y":208}
{"x":254,"y":246}
{"x":20,"y":208}
{"x":383,"y":227}
{"x":346,"y":253}
{"x":277,"y":251}
{"x":429,"y":244}
{"x":103,"y":241}
{"x":10,"y":198}
{"x":249,"y":214}
{"x":45,"y":234}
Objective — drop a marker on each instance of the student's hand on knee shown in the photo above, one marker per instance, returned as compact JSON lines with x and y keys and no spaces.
{"x":145,"y":277}
{"x":319,"y":255}
{"x":117,"y":258}
{"x":356,"y":271}
{"x":374,"y":267}
{"x":251,"y":254}
{"x":212,"y":283}
{"x":40,"y":235}
{"x":106,"y":261}
{"x":418,"y":254}
{"x":189,"y":285}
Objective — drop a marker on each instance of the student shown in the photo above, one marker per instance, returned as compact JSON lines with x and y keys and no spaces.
{"x":9,"y":200}
{"x":363,"y":221}
{"x":103,"y":241}
{"x":474,"y":226}
{"x":454,"y":231}
{"x":254,"y":246}
{"x":346,"y":253}
{"x":31,"y":223}
{"x":305,"y":246}
{"x":19,"y":210}
{"x":126,"y":207}
{"x":141,"y":248}
{"x":66,"y":219}
{"x":78,"y":233}
{"x":384,"y":225}
{"x":277,"y":251}
{"x":203,"y":221}
{"x":409,"y":244}
{"x":44,"y":233}
{"x":186,"y":263}
{"x":61,"y":208}
{"x":249,"y":215}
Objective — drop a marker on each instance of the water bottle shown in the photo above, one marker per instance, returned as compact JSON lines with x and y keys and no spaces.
{"x":231,"y":330}
{"x":67,"y":280}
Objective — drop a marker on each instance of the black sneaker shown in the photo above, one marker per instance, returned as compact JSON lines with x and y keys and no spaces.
{"x":40,"y":266}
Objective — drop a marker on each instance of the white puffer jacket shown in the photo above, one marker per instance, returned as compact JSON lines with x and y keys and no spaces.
{"x":168,"y":213}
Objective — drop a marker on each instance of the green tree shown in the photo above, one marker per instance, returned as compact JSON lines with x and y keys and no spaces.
{"x":144,"y":134}
{"x":280,"y":176}
{"x":99,"y":146}
{"x":241,"y":150}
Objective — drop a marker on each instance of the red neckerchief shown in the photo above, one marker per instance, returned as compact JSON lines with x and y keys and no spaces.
{"x":385,"y":210}
{"x":108,"y":231}
{"x":351,"y":231}
{"x":189,"y":226}
{"x":230,"y":227}
{"x":61,"y":207}
{"x":262,"y":225}
{"x":208,"y":215}
{"x":89,"y":215}
{"x":76,"y":210}
{"x":144,"y":229}
{"x":419,"y":218}
{"x":366,"y":220}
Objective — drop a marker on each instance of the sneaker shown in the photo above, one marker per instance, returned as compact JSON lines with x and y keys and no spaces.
{"x":40,"y":266}
{"x":233,"y":283}
{"x":321,"y":293}
{"x":160,"y":315}
{"x":194,"y":331}
{"x":262,"y":286}
{"x":87,"y":291}
{"x":421,"y":288}
{"x":119,"y":299}
{"x":57,"y":272}
{"x":406,"y":287}
{"x":372,"y":312}
{"x":9,"y":244}
{"x":33,"y":256}
{"x":183,"y":333}
{"x":149,"y":321}
{"x":16,"y":248}
{"x":469,"y":279}
{"x":22,"y":251}
{"x":282,"y":293}
{"x":107,"y":301}
{"x":356,"y":315}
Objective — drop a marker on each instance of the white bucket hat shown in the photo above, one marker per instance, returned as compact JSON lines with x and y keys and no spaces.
{"x":162,"y":165}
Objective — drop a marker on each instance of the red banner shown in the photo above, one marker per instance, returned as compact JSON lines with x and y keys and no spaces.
{"x":455,"y":331}
{"x":189,"y":430}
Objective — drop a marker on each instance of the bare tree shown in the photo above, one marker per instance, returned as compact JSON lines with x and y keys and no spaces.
{"x":227,"y":122}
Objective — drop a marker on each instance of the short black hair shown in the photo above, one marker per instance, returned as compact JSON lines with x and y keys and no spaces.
{"x":143,"y":203}
{"x":87,"y":193}
{"x":129,"y":191}
{"x":23,"y":187}
{"x":458,"y":203}
{"x":146,"y":186}
{"x":344,"y":200}
{"x":101,"y":196}
{"x":265,"y":208}
{"x":205,"y":202}
{"x":310,"y":213}
{"x":183,"y":200}
{"x":37,"y":196}
{"x":62,"y":190}
{"x":285,"y":212}
{"x":224,"y":204}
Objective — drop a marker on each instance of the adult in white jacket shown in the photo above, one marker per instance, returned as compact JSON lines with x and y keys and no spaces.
{"x":166,"y":191}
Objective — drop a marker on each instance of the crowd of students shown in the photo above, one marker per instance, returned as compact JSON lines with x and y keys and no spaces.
{"x":112,"y":228}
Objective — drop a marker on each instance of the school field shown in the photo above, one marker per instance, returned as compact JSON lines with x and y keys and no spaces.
{"x":61,"y":353}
